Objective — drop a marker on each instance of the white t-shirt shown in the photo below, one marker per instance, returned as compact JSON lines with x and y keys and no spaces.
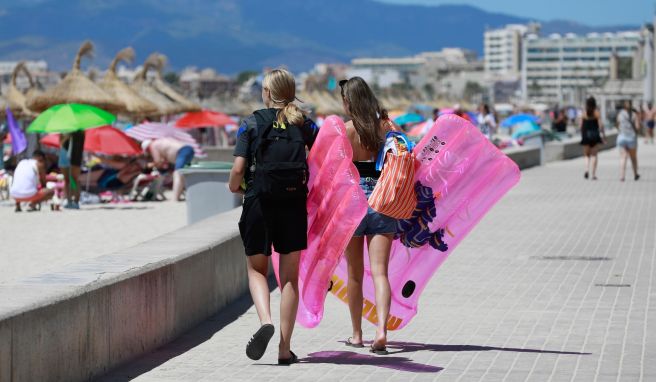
{"x":26,"y":179}
{"x":487,"y":124}
{"x":625,"y":125}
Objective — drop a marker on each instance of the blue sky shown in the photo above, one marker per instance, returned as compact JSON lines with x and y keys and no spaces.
{"x":590,"y":12}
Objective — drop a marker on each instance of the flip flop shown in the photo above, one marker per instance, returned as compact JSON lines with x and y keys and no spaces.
{"x":288,"y":361}
{"x":258,"y":343}
{"x":353,"y":344}
{"x":378,"y":351}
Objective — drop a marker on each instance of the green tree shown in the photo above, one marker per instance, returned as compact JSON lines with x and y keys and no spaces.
{"x":429,"y":90}
{"x":472,"y":89}
{"x":245,"y":76}
{"x":624,"y":68}
{"x":172,"y":78}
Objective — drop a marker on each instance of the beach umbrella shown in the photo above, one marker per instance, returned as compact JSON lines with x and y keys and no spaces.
{"x":518,"y":118}
{"x":205,"y":118}
{"x":408,"y":118}
{"x":164,"y":104}
{"x":16,"y":100}
{"x":164,"y":88}
{"x":524,"y":128}
{"x":106,"y":140}
{"x":71,"y":117}
{"x":157,"y":130}
{"x":76,"y":88}
{"x":135,"y":104}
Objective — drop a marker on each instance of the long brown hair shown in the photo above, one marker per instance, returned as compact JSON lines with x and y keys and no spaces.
{"x":590,"y":107}
{"x":282,"y":90}
{"x":365,"y":111}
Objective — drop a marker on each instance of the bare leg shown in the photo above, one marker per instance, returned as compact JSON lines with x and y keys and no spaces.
{"x":178,"y":185}
{"x":594,"y":159}
{"x":633,"y":154}
{"x":355,"y":261}
{"x":66,"y":171}
{"x":288,"y":301}
{"x":586,"y":154}
{"x":623,"y":155}
{"x":258,"y":268}
{"x":379,"y":252}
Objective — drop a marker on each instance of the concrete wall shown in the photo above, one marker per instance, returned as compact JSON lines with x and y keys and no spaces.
{"x":218,"y":154}
{"x":78,"y":323}
{"x":527,"y":157}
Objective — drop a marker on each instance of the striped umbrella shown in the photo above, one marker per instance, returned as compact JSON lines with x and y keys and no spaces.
{"x":155,"y":130}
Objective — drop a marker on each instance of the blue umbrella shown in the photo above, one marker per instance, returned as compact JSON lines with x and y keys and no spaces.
{"x":519,"y":118}
{"x":525,"y":128}
{"x":408,"y":118}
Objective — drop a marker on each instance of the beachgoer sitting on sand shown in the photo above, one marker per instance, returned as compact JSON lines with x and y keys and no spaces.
{"x":167,"y":151}
{"x":28,"y":176}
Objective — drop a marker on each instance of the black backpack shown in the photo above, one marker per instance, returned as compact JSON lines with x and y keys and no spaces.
{"x":281,"y":170}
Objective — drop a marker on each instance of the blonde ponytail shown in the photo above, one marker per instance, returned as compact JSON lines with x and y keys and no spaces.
{"x":282,"y":89}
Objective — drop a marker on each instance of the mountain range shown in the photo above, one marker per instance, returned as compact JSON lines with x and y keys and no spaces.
{"x":236,"y":35}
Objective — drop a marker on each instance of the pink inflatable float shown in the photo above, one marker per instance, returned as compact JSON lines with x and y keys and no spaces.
{"x":336,"y":205}
{"x":460,"y":177}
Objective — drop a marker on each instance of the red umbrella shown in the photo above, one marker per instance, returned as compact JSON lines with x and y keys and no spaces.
{"x":102,"y":140}
{"x":205,"y":118}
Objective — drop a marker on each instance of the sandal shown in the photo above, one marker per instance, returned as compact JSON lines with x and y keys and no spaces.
{"x":288,"y":361}
{"x":378,"y":351}
{"x":348,"y":342}
{"x":258,"y":343}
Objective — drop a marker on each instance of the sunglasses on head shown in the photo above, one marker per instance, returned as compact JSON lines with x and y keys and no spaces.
{"x":342,"y":83}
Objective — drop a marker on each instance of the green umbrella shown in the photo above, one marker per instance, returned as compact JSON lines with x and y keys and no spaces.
{"x":70,"y":117}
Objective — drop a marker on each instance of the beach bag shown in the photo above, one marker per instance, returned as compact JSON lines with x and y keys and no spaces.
{"x":394,"y":194}
{"x":280,"y":166}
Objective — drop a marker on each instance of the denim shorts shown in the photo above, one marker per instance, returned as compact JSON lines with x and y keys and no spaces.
{"x":627,"y":143}
{"x":184,"y":157}
{"x":373,"y":223}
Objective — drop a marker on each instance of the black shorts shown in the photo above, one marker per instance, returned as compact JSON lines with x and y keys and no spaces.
{"x":78,"y":147}
{"x":283,"y":224}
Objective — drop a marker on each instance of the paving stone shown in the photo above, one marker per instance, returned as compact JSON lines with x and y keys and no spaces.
{"x":534,"y":293}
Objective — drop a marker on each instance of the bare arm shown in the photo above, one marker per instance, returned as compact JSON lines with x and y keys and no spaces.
{"x":237,"y":175}
{"x":602,"y":130}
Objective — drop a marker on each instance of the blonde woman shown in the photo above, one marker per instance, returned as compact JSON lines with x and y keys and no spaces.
{"x":270,"y":170}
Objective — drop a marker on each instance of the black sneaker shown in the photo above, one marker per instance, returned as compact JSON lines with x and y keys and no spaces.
{"x":258,"y":343}
{"x":585,"y":175}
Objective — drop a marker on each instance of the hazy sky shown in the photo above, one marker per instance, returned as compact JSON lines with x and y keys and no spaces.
{"x":591,"y":12}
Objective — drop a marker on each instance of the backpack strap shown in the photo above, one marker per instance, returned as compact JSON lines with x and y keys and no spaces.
{"x":264,"y":123}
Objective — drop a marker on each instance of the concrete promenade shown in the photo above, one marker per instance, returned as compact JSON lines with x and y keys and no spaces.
{"x":556,"y":283}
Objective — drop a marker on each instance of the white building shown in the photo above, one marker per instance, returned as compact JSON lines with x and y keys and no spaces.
{"x":415,"y":71}
{"x":561,"y":69}
{"x":502,"y":50}
{"x":7,"y":67}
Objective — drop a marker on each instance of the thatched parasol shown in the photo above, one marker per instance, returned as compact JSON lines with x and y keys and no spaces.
{"x":76,"y":88}
{"x":16,"y":99}
{"x":134,"y":103}
{"x":164,"y":88}
{"x":164,"y":104}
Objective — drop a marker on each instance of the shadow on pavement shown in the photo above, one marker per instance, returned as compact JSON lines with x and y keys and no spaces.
{"x":409,"y":347}
{"x":189,"y":340}
{"x":352,"y":358}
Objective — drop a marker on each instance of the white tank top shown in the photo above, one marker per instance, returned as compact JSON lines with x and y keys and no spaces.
{"x":26,"y":179}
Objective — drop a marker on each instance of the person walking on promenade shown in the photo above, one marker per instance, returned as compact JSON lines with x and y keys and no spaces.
{"x":650,"y":122}
{"x":592,"y":135}
{"x":627,"y":140}
{"x":270,"y":161}
{"x":486,"y":121}
{"x":166,"y":151}
{"x":366,"y":132}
